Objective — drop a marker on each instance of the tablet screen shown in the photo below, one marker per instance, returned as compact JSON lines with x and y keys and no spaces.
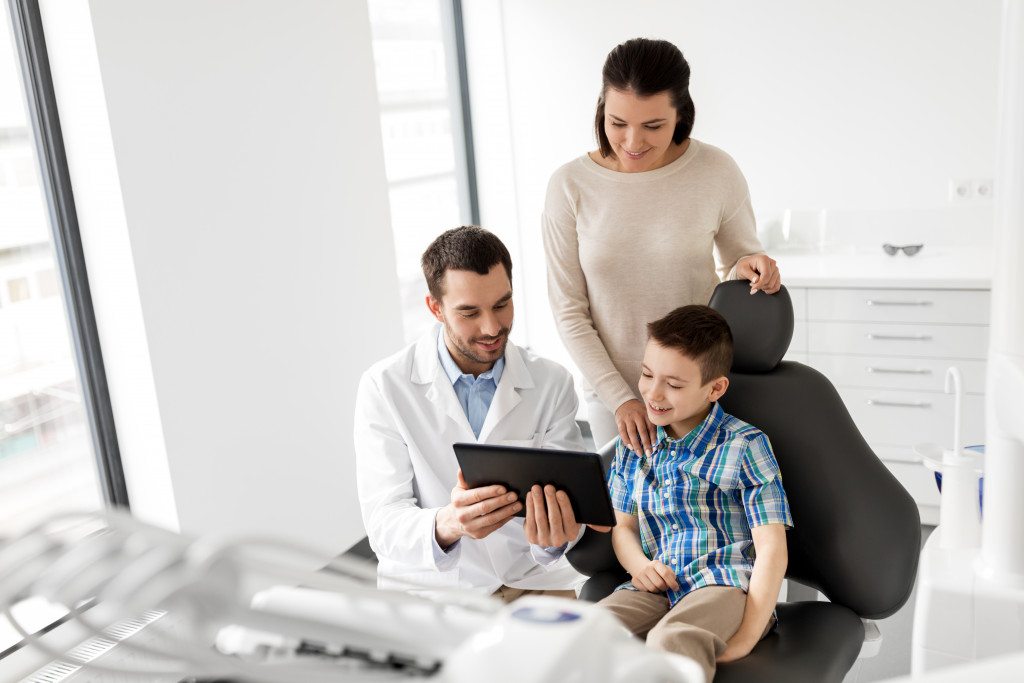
{"x":517,"y":468}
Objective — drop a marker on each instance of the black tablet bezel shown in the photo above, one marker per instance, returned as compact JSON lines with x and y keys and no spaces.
{"x":580,"y":474}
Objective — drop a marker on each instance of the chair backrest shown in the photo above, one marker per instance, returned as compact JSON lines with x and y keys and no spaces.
{"x":857,"y":532}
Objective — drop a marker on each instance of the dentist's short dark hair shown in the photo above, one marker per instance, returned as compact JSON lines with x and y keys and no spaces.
{"x":468,"y":247}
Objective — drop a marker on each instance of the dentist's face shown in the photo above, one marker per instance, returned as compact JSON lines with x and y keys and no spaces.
{"x":639,"y":129}
{"x":477,"y":314}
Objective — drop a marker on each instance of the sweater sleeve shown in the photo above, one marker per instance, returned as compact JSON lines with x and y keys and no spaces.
{"x":567,"y":294}
{"x":737,"y":234}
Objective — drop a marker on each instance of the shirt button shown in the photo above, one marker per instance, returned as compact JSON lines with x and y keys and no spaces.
{"x":673,"y":560}
{"x":675,"y":527}
{"x":667,"y":494}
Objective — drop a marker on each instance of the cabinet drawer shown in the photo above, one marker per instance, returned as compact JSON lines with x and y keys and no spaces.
{"x":969,"y":307}
{"x":894,"y":372}
{"x":887,"y":339}
{"x":905,"y":418}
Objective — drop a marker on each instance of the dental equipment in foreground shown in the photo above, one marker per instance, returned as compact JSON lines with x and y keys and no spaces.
{"x":233,"y":611}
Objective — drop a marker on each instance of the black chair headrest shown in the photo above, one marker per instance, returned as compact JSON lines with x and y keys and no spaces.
{"x":761,"y":324}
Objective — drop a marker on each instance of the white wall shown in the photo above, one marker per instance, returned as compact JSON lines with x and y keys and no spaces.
{"x":227,"y":163}
{"x":866,"y":109}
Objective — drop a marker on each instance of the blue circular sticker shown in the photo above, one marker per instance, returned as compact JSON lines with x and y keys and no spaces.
{"x":543,"y":615}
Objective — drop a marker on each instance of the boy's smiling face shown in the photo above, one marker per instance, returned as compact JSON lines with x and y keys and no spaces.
{"x":673,"y":392}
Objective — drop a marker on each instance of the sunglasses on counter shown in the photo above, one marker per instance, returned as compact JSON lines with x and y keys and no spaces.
{"x":908,"y":249}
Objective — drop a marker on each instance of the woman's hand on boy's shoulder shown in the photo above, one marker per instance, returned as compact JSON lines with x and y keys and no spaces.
{"x":654,"y":577}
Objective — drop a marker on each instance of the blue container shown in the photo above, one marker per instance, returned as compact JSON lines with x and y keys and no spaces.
{"x":981,"y":480}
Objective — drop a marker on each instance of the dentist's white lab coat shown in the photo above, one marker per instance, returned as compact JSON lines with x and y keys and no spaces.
{"x":407,"y":418}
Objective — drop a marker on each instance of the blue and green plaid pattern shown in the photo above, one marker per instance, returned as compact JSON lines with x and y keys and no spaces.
{"x":698,"y":497}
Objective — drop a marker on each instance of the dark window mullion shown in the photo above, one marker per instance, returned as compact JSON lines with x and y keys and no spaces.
{"x":467,"y":119}
{"x":70,"y":258}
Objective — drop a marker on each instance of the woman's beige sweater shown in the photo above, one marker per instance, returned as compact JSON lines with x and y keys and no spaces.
{"x":624,"y":249}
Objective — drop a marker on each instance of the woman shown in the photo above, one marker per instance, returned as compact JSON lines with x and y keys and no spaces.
{"x":631,"y":231}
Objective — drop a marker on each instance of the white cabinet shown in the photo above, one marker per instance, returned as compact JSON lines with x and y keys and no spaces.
{"x":887,"y":352}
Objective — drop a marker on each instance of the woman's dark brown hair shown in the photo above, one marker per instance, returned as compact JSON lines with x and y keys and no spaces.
{"x":647,"y":67}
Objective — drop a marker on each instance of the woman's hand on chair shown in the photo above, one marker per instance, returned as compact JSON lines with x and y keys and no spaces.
{"x":762,"y":272}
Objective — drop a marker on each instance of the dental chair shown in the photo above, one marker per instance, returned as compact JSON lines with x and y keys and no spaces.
{"x":857,"y":532}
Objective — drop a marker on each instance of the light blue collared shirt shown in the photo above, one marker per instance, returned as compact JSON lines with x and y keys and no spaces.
{"x":475,"y":393}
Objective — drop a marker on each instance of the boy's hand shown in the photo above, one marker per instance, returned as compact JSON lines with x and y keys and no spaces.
{"x":476,"y":513}
{"x":654,"y":577}
{"x":737,"y":647}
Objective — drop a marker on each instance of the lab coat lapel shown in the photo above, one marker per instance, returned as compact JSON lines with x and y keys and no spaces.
{"x":427,"y":370}
{"x":514,"y":377}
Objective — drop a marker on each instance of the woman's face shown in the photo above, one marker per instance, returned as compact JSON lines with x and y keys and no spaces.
{"x":640,"y":129}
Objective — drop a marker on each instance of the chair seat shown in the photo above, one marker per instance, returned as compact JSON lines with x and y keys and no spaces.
{"x":815,"y":642}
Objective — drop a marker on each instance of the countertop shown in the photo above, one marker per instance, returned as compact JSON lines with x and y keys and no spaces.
{"x":934,"y":267}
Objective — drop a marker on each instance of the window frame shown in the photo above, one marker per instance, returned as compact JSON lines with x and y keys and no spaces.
{"x":461,"y":72}
{"x":69,"y":257}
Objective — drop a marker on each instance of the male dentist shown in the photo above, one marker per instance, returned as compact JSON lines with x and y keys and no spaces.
{"x":464,"y":381}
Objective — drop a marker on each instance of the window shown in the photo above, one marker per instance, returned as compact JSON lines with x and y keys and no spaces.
{"x":57,"y":446}
{"x":416,"y":48}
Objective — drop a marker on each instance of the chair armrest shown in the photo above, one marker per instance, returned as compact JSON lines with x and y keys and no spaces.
{"x":602,"y":584}
{"x":593,"y":554}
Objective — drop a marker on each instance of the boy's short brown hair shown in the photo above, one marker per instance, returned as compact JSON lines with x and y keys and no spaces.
{"x":700,"y":333}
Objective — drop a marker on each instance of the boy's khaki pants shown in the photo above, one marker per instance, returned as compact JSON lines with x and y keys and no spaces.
{"x":698,"y":626}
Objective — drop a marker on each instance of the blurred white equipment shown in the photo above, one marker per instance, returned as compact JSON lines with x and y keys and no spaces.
{"x":970,"y":602}
{"x":231,"y":611}
{"x":960,"y":471}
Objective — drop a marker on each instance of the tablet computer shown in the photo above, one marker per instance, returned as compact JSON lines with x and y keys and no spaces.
{"x":517,"y":468}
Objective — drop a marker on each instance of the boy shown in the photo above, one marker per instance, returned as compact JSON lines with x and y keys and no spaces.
{"x":693,"y":513}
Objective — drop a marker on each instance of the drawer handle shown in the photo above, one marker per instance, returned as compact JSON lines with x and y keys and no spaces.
{"x":896,"y":337}
{"x":876,"y":302}
{"x":895,"y":371}
{"x":899,"y":404}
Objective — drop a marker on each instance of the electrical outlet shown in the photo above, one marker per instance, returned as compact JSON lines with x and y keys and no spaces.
{"x":961,"y":190}
{"x":983,"y":189}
